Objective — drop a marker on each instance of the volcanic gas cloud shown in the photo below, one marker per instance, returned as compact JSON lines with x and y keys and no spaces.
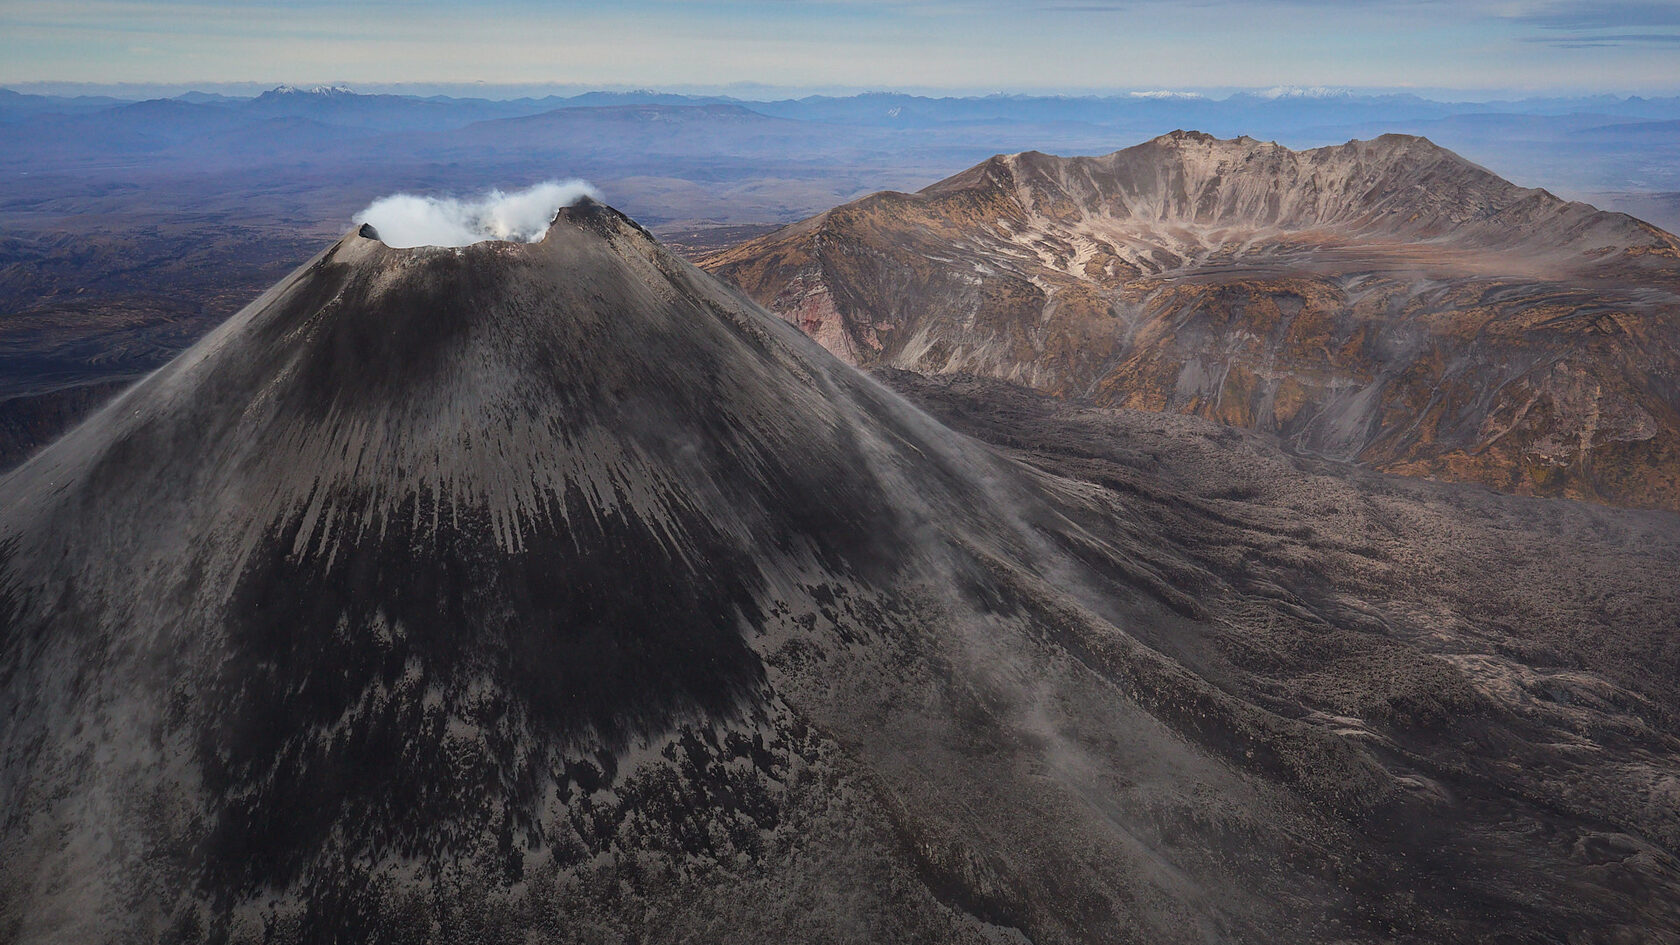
{"x":405,"y":220}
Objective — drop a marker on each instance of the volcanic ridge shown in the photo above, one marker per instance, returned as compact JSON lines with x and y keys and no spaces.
{"x":1385,"y":302}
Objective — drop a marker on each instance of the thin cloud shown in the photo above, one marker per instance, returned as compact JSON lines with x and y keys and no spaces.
{"x":1591,"y":25}
{"x":1584,"y":16}
{"x":1614,"y":39}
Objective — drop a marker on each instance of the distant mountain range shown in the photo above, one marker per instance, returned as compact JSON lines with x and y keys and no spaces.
{"x":1580,"y":146}
{"x":910,"y":107}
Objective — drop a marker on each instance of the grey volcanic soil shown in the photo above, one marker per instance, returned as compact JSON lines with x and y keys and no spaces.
{"x":557,"y":593}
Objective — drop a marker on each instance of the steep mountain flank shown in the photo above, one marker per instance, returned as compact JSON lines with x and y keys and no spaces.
{"x":552,"y":592}
{"x":1382,"y":301}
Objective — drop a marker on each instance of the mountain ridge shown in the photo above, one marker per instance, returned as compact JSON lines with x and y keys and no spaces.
{"x":1118,"y":185}
{"x":1358,"y":299}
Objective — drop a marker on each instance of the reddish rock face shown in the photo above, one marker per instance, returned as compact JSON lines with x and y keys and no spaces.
{"x":1381,"y":301}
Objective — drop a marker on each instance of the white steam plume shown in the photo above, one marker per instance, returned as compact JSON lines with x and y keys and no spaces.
{"x":405,"y":220}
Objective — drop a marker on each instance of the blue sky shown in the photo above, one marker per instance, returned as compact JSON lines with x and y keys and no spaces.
{"x":964,"y":45}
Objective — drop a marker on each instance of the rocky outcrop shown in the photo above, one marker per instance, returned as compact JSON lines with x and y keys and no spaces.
{"x":1381,"y":301}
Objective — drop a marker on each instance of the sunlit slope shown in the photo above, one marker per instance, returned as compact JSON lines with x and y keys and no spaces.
{"x":1382,"y":301}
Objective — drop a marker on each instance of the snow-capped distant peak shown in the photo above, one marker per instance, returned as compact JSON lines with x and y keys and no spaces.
{"x":1165,"y":94}
{"x":315,"y":90}
{"x":1298,"y":91}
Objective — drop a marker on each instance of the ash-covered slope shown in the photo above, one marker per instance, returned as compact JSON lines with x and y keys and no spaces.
{"x":1384,"y":301}
{"x":552,"y":592}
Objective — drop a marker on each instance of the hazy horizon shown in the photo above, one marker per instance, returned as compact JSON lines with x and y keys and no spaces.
{"x":763,"y":92}
{"x":1496,"y":48}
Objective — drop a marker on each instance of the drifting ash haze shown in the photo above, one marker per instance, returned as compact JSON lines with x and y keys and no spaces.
{"x":405,"y":221}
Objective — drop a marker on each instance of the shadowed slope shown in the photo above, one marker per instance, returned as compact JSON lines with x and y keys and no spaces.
{"x":1383,"y":301}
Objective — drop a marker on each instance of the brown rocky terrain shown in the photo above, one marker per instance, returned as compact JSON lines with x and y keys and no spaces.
{"x":1383,"y":301}
{"x":90,"y":303}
